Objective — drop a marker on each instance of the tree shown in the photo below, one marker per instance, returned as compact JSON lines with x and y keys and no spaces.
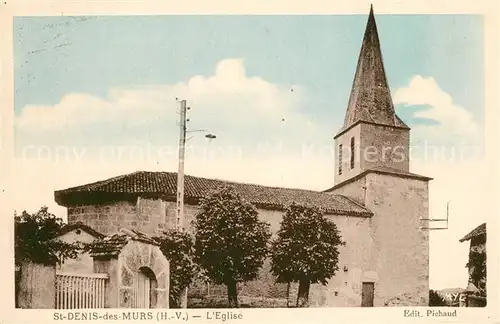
{"x":305,"y":250}
{"x":435,"y":299}
{"x":35,"y":239}
{"x":477,"y":266}
{"x":178,"y":248}
{"x":231,"y":242}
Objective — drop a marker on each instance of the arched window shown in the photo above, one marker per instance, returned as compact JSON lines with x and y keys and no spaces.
{"x":340,"y":159}
{"x":352,"y":152}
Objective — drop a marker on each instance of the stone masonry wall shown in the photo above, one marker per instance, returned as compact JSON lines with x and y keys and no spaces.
{"x":390,"y":144}
{"x":153,"y":216}
{"x":146,"y":215}
{"x":345,"y":141}
{"x":106,"y":219}
{"x":355,"y":265}
{"x":134,"y":257}
{"x":37,"y":286}
{"x":398,"y":263}
{"x":353,"y":190}
{"x":401,"y":246}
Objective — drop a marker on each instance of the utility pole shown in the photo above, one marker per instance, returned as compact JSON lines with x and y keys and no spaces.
{"x":180,"y":183}
{"x":180,"y":225}
{"x":180,"y":170}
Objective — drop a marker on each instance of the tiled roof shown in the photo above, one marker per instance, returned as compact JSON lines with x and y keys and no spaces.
{"x":388,"y":170}
{"x":381,"y":170}
{"x":111,"y":246}
{"x":370,"y":99}
{"x":480,"y":230}
{"x":79,"y":225}
{"x":164,"y":185}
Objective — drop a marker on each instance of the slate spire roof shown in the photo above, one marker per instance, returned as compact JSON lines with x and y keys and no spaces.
{"x":370,"y":99}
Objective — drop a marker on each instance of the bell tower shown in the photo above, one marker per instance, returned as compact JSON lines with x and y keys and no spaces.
{"x":372,"y":135}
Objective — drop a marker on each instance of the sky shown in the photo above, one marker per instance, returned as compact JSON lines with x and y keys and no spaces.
{"x":97,"y":97}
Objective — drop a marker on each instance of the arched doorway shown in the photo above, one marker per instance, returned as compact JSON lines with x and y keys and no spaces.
{"x":143,"y":275}
{"x":144,"y":293}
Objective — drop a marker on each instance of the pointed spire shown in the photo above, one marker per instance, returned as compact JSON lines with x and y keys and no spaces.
{"x":370,"y":99}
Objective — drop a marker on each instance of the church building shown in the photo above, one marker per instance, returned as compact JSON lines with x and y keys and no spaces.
{"x":378,"y":205}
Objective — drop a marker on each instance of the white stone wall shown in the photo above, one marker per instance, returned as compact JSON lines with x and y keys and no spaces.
{"x":391,"y":145}
{"x":84,"y":263}
{"x":37,"y":286}
{"x":345,"y":141}
{"x":396,"y":245}
{"x":401,"y":244}
{"x":389,"y":249}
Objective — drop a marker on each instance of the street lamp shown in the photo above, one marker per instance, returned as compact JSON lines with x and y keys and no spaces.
{"x":180,"y":175}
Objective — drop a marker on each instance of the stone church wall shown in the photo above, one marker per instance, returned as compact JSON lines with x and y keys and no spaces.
{"x":401,"y":245}
{"x":354,"y":190}
{"x":152,"y":216}
{"x":399,"y":262}
{"x":355,"y":260}
{"x":391,"y":145}
{"x":345,"y":141}
{"x":106,"y":219}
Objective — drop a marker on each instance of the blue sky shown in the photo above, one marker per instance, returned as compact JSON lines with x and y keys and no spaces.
{"x":58,"y":55}
{"x":274,"y":90}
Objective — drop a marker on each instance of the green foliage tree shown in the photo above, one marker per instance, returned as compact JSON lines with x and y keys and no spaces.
{"x":178,"y":248}
{"x":35,"y":239}
{"x":477,"y":266}
{"x":231,"y":241}
{"x":305,"y":250}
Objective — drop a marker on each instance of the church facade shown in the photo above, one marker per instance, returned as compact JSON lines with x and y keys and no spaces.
{"x":378,"y":205}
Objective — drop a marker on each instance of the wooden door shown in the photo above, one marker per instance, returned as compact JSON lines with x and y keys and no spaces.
{"x":141,"y":291}
{"x":367,"y":293}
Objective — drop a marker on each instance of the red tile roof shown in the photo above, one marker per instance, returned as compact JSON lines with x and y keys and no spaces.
{"x":111,"y":246}
{"x":480,"y":230}
{"x":164,"y":185}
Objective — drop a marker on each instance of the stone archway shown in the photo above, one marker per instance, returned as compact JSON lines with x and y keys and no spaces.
{"x":143,"y":276}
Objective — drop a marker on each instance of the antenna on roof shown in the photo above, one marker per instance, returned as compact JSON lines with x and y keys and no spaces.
{"x":439,"y":220}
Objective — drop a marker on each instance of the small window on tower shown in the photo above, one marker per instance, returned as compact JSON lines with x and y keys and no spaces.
{"x":352,"y":152}
{"x":340,"y":159}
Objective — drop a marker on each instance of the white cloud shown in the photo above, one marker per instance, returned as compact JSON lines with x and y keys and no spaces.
{"x":229,"y":95}
{"x":453,"y":121}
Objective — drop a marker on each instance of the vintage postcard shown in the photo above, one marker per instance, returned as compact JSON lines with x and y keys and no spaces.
{"x":218,"y":162}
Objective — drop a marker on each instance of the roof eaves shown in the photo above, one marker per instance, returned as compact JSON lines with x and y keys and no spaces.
{"x":364,"y":173}
{"x":79,"y":225}
{"x":478,"y":231}
{"x":345,"y":129}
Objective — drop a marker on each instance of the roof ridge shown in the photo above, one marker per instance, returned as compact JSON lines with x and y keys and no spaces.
{"x":355,"y":202}
{"x":162,"y":185}
{"x":68,"y":227}
{"x":115,"y":178}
